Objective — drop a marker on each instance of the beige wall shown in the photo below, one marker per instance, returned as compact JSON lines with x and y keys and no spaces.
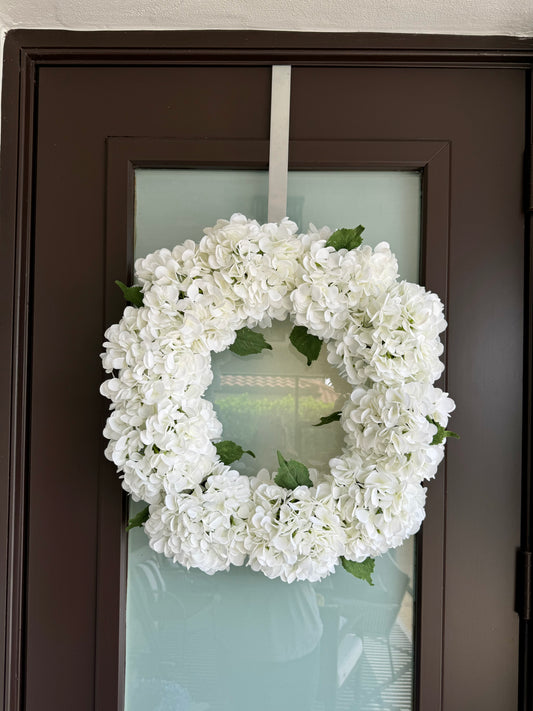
{"x":510,"y":17}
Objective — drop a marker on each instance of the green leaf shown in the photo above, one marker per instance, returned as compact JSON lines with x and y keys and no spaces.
{"x":334,"y":417}
{"x":249,"y":342}
{"x":230,"y":452}
{"x":363,"y":570}
{"x":292,"y":474}
{"x":442,"y":433}
{"x":305,"y":343}
{"x":133,"y":294}
{"x":346,"y":238}
{"x":139,"y":519}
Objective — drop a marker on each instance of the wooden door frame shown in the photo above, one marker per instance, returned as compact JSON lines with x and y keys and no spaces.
{"x":26,"y":51}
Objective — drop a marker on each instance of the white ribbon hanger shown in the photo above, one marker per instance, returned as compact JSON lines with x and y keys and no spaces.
{"x":278,"y":164}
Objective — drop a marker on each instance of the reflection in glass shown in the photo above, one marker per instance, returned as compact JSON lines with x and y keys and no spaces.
{"x":239,"y":641}
{"x":272,"y":400}
{"x":236,"y":640}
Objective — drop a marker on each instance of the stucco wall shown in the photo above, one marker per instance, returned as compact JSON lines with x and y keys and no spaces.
{"x":513,"y":17}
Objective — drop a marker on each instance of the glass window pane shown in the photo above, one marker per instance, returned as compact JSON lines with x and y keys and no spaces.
{"x":236,"y":640}
{"x":173,"y":205}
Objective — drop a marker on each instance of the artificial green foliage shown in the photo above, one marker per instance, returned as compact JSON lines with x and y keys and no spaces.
{"x":292,"y":474}
{"x":139,"y":519}
{"x":133,"y":294}
{"x":334,"y":417}
{"x":363,"y":570}
{"x":230,"y":452}
{"x":346,"y":238}
{"x":305,"y":343}
{"x":442,"y":433}
{"x":249,"y":342}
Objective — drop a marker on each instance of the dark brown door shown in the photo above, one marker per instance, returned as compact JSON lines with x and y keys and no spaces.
{"x":463,"y":128}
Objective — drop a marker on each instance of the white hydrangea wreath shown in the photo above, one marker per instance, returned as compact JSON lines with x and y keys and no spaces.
{"x":164,"y":437}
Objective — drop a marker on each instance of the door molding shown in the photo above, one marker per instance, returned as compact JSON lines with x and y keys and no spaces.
{"x":26,"y":51}
{"x":64,"y":48}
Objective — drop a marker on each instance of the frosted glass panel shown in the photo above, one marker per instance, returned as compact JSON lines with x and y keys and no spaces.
{"x":237,"y":641}
{"x":174,"y":205}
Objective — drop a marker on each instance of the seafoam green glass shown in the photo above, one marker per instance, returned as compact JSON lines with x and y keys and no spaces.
{"x":236,"y":641}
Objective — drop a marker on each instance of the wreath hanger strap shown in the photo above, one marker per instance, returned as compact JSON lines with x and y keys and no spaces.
{"x":278,"y":165}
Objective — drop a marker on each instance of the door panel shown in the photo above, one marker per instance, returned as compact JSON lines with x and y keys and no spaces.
{"x":75,"y":544}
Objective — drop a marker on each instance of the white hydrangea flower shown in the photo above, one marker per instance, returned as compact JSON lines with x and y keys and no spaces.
{"x":205,"y":528}
{"x":259,"y":262}
{"x":395,"y":339}
{"x":168,"y":442}
{"x":167,"y":268}
{"x":379,"y":508}
{"x":293,"y":535}
{"x":375,"y":531}
{"x":338,"y":285}
{"x":393,"y":421}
